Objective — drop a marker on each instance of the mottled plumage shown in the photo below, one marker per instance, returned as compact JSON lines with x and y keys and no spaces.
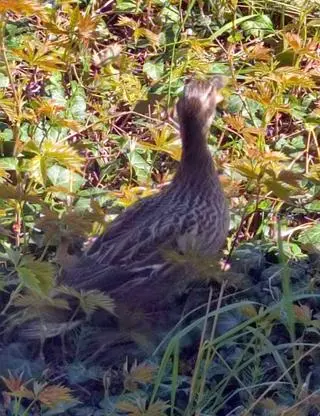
{"x":190,"y":214}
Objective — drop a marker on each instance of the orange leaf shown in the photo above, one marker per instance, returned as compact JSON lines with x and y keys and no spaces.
{"x":303,"y":313}
{"x":258,"y":52}
{"x":52,"y":395}
{"x":17,"y":388}
{"x":236,"y":122}
{"x":293,"y":40}
{"x":26,"y":7}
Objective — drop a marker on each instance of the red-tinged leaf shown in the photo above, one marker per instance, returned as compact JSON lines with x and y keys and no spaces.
{"x":26,"y":7}
{"x":53,"y":395}
{"x":293,"y":40}
{"x":16,"y":386}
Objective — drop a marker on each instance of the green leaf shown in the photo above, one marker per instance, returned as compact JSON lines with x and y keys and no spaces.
{"x":278,"y":188}
{"x":60,"y":176}
{"x":154,"y":70}
{"x":170,"y":14}
{"x":78,"y":102}
{"x":127,"y":6}
{"x":8,"y":163}
{"x":36,"y":275}
{"x":56,"y":89}
{"x":258,"y":27}
{"x":4,"y":81}
{"x":6,"y":135}
{"x":220,"y":68}
{"x":314,"y":206}
{"x":141,"y":167}
{"x":311,"y":237}
{"x":31,"y":147}
{"x":292,"y":250}
{"x":230,"y":25}
{"x":92,"y":300}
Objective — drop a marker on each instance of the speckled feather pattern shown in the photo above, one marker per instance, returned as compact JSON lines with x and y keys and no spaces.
{"x":190,"y":214}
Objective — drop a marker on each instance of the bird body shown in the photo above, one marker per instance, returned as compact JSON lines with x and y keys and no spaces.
{"x":130,"y":261}
{"x":190,"y":214}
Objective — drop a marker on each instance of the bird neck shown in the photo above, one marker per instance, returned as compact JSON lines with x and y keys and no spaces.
{"x":196,"y":160}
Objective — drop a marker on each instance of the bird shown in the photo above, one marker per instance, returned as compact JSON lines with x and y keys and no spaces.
{"x":132,"y":260}
{"x":190,"y":214}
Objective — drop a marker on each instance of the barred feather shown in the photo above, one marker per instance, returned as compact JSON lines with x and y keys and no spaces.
{"x":130,"y":260}
{"x":191,"y":213}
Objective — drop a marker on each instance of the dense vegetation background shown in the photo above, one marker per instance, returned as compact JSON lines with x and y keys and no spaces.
{"x":87,"y":90}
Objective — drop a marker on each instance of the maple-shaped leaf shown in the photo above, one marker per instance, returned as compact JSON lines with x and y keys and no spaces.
{"x":26,"y":7}
{"x":314,"y":173}
{"x":38,"y":276}
{"x":258,"y":52}
{"x":153,"y":38}
{"x":47,"y":107}
{"x":289,"y":77}
{"x":87,"y":26}
{"x":278,"y":188}
{"x":138,"y":31}
{"x":49,"y":153}
{"x":18,"y":193}
{"x":236,"y":122}
{"x":70,"y":124}
{"x":16,"y":386}
{"x":90,"y":300}
{"x":127,"y":22}
{"x":263,"y":93}
{"x":53,"y":395}
{"x":138,"y":374}
{"x":140,"y":408}
{"x":36,"y":301}
{"x":165,"y":140}
{"x":129,"y":194}
{"x":293,"y":40}
{"x":247,"y":169}
{"x":40,"y":55}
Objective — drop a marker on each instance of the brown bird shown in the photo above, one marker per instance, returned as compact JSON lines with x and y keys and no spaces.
{"x":131,"y":261}
{"x":191,"y":214}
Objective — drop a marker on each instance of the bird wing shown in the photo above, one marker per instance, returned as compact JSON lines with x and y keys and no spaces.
{"x":136,"y":235}
{"x":132,"y":246}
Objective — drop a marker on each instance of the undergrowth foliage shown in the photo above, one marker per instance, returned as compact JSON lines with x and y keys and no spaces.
{"x":87,"y":90}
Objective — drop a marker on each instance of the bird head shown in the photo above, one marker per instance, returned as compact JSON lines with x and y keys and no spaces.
{"x":199,"y":101}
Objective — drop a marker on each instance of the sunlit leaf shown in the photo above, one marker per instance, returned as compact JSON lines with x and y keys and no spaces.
{"x":36,"y":275}
{"x":258,"y":52}
{"x":27,"y":7}
{"x":50,"y":153}
{"x":154,"y":70}
{"x":278,"y":188}
{"x":41,"y":56}
{"x":311,"y":236}
{"x":64,"y":178}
